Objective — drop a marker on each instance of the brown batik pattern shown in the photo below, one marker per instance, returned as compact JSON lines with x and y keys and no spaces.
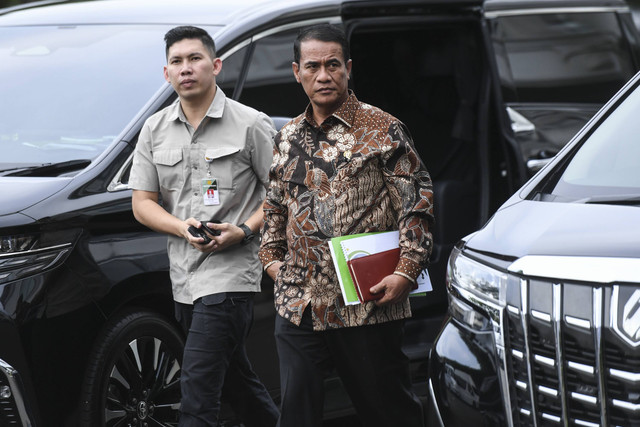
{"x":358,"y":172}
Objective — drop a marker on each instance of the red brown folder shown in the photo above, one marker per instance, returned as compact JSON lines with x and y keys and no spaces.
{"x":369,"y":270}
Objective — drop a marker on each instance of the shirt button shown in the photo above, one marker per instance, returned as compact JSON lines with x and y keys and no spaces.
{"x":195,"y":193}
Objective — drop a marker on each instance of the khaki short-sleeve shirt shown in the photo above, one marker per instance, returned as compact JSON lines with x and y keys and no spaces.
{"x":232,"y":150}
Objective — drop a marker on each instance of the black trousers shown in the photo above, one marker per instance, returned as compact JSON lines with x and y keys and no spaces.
{"x":215,"y":363}
{"x":369,"y":360}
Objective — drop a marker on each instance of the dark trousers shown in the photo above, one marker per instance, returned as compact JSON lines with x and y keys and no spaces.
{"x":215,"y":363}
{"x":368,"y":359}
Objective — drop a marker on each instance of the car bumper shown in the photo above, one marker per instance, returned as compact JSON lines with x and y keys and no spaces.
{"x":463,"y":380}
{"x":13,"y":406}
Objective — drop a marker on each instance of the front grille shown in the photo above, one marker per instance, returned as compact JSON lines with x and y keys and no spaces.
{"x":567,"y":362}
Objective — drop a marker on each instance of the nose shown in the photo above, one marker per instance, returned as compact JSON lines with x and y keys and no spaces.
{"x":323,"y":74}
{"x":186,"y":68}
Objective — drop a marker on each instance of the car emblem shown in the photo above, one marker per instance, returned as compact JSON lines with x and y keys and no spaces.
{"x":625,"y":313}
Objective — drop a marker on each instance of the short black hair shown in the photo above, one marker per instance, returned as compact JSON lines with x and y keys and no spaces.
{"x":177,"y":34}
{"x":323,"y":33}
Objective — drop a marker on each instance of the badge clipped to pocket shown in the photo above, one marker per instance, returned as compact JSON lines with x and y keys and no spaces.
{"x":210,"y":193}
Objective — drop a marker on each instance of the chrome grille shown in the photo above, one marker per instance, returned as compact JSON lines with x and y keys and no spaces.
{"x":566,"y":363}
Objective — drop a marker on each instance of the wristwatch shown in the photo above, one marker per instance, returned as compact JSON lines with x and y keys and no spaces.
{"x":248,"y":234}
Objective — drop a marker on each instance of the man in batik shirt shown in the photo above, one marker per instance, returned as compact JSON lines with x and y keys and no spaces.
{"x":342,"y":167}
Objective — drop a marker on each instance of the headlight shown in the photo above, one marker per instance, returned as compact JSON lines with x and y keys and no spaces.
{"x":479,"y":284}
{"x":10,"y":244}
{"x":25,"y":255}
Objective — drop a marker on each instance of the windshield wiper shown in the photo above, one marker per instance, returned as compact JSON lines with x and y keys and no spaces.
{"x":613,"y":199}
{"x":51,"y":169}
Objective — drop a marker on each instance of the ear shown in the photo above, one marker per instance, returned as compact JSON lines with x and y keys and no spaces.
{"x":296,"y":70}
{"x":348,"y":65}
{"x":166,"y":74}
{"x":217,"y":66}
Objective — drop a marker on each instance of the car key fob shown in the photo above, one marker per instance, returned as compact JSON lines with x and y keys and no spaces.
{"x":196,"y":232}
{"x":210,"y":230}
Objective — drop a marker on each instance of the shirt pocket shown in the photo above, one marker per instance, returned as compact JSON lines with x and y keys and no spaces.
{"x":170,"y":168}
{"x":222,"y":165}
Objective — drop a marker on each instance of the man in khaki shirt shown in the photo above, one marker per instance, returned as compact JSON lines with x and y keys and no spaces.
{"x":208,"y":158}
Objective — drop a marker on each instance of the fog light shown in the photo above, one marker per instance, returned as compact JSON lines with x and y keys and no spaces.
{"x":5,"y":392}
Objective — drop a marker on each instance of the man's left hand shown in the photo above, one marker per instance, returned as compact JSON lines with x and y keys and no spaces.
{"x":395,"y":287}
{"x":229,"y":235}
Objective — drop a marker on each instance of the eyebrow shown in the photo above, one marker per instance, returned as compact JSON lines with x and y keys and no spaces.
{"x":189,"y":55}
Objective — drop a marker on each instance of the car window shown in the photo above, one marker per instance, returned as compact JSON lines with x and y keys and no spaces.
{"x":231,"y":68}
{"x":608,"y":163}
{"x":561,"y":57}
{"x":67,"y":92}
{"x":270,"y":85}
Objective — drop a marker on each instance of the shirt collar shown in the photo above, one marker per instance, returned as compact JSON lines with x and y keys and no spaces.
{"x":215,"y":109}
{"x":346,"y":113}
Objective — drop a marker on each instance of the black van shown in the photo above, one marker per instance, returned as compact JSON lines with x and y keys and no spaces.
{"x":544,"y":307}
{"x":490,"y":90}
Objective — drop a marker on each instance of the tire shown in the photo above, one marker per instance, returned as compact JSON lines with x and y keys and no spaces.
{"x":133,"y":373}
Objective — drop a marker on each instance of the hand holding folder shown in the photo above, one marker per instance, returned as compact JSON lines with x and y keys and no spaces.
{"x":367,"y":271}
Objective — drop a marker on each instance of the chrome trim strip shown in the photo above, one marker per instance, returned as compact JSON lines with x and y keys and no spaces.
{"x":551,"y":417}
{"x":524,"y":303}
{"x":545,"y":360}
{"x":581,"y":367}
{"x":521,"y":385}
{"x":525,"y":412}
{"x":234,"y":49}
{"x":517,"y":353}
{"x":576,"y":321}
{"x":599,"y":351}
{"x":557,"y":331}
{"x":634,"y":407}
{"x":539,"y":11}
{"x":13,"y":378}
{"x":632,"y":377}
{"x":513,"y":309}
{"x":548,"y":391}
{"x":35,"y":251}
{"x":545,"y":317}
{"x":586,"y":423}
{"x":584,"y":398}
{"x":503,"y":369}
{"x":435,"y":403}
{"x":585,"y":269}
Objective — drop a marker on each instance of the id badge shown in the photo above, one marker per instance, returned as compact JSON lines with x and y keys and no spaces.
{"x":210,"y":193}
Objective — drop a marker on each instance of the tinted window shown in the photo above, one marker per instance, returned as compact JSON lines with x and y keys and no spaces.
{"x":572,"y":57}
{"x":608,"y":163}
{"x":230,"y":74}
{"x":67,"y":92}
{"x":270,"y":85}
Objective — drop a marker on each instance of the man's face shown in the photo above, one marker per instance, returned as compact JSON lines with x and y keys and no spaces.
{"x":191,"y":70}
{"x":323,"y":74}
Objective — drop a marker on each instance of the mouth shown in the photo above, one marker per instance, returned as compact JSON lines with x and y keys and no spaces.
{"x":187,"y":83}
{"x":325,"y":90}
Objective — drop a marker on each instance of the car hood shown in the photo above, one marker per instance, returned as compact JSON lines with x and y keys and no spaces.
{"x":17,"y":194}
{"x":560,"y":229}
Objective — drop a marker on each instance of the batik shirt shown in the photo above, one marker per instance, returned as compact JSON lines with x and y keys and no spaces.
{"x":357,"y":172}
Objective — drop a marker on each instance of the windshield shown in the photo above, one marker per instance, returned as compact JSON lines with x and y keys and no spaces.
{"x":606,"y":168}
{"x":68,"y":91}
